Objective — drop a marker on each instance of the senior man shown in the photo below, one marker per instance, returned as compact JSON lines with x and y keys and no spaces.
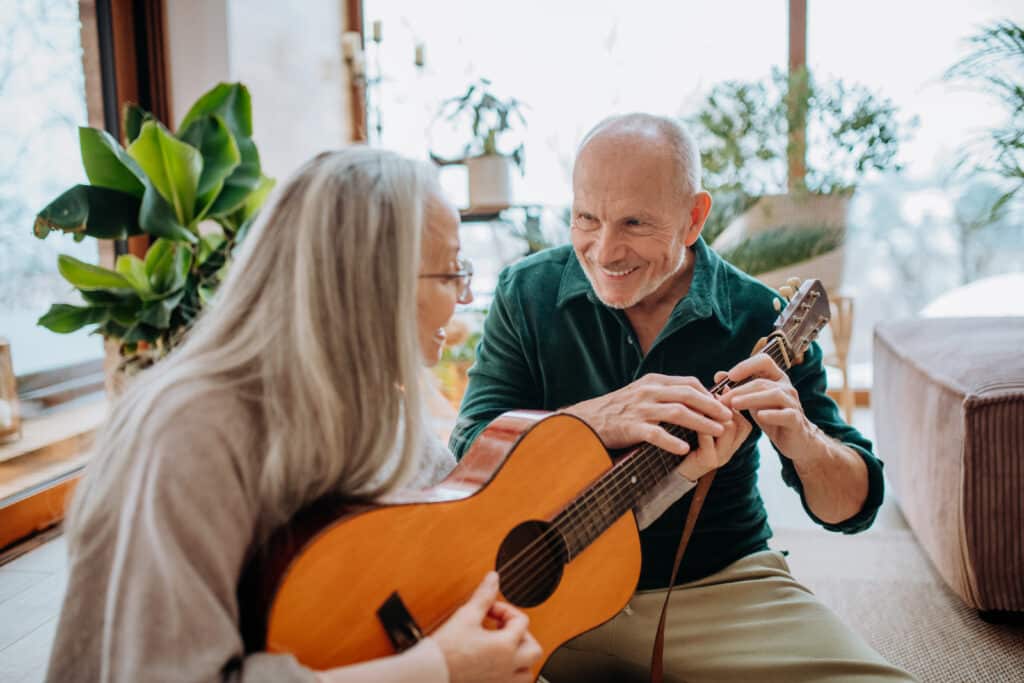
{"x":625,"y":329}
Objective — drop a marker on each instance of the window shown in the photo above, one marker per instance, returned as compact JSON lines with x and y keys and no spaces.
{"x":910,"y":236}
{"x":572,"y":63}
{"x":42,"y":102}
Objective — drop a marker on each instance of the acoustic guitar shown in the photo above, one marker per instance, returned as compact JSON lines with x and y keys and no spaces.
{"x":537,"y":498}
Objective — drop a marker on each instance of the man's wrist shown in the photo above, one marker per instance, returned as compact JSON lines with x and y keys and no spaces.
{"x":816,"y":453}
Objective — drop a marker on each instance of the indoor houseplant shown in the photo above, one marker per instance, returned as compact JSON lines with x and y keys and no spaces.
{"x":164,"y":185}
{"x":487,"y":121}
{"x":994,"y":65}
{"x":743,"y":129}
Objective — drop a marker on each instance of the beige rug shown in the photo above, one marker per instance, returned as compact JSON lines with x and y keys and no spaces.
{"x":884,"y":586}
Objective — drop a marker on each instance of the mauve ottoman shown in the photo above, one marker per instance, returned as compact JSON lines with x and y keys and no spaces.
{"x":948,"y":402}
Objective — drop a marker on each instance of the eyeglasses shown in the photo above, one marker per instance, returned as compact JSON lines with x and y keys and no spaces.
{"x":464,"y":276}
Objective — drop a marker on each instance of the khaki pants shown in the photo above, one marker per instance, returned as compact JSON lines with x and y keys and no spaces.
{"x":749,"y":622}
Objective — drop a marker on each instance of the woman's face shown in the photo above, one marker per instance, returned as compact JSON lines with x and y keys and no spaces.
{"x":436,"y":296}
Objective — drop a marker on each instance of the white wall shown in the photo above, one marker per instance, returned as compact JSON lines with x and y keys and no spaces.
{"x":287,"y":54}
{"x":197,"y":50}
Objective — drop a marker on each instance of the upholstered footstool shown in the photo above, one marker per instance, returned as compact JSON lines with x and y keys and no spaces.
{"x":948,"y":403}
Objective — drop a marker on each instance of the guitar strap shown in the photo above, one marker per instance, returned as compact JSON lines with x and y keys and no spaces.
{"x":699,"y":494}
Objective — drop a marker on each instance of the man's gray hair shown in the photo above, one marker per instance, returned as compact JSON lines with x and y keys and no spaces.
{"x":683,"y":144}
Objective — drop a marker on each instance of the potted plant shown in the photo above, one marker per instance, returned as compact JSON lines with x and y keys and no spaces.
{"x":994,"y":65}
{"x":743,"y":130}
{"x":486,"y":155}
{"x":194,"y":192}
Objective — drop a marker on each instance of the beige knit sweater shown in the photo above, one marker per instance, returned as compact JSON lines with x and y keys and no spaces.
{"x":151,"y":592}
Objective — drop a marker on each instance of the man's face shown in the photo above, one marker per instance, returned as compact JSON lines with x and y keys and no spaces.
{"x":630,"y":221}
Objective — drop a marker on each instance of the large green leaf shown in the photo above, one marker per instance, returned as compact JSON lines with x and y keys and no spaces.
{"x":107,"y":164}
{"x":133,"y":269}
{"x":208,"y":245}
{"x":87,"y":276}
{"x":131,"y":123}
{"x":210,"y":135}
{"x":127,"y":312}
{"x":157,"y":218}
{"x":108,"y":297}
{"x":241,"y":183}
{"x":167,"y":265}
{"x":64,"y":318}
{"x":228,"y":100}
{"x":173,"y":167}
{"x":93,"y":211}
{"x":252,"y":204}
{"x":158,"y":313}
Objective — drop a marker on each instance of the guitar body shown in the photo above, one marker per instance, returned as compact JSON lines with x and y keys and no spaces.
{"x":432,"y":548}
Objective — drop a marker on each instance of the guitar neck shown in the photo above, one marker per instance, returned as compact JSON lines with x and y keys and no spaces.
{"x":633,"y":477}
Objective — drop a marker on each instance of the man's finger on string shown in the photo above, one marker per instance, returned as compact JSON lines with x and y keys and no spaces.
{"x":759,"y":400}
{"x":783,"y":417}
{"x":677,"y":414}
{"x":657,"y":436}
{"x":759,"y":365}
{"x":699,"y":401}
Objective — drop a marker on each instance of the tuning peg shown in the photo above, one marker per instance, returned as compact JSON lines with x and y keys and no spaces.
{"x":794,"y":282}
{"x":776,"y":304}
{"x":786,"y":291}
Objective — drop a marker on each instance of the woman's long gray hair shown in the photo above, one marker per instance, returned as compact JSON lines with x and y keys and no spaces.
{"x":315,"y":326}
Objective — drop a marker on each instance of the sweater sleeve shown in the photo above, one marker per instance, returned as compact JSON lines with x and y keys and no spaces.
{"x":169,"y":607}
{"x":809,"y":380}
{"x":661,"y":497}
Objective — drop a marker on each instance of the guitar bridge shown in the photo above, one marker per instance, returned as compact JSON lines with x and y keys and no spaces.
{"x":402,"y":629}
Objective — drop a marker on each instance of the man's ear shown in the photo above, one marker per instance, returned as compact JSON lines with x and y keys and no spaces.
{"x":698,"y":216}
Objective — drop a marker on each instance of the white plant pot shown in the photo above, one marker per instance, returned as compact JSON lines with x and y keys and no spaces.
{"x":490,"y":182}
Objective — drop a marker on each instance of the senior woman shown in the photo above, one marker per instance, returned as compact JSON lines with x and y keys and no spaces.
{"x":303,"y":379}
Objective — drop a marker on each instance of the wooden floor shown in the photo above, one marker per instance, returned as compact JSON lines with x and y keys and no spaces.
{"x":31,"y":589}
{"x":32,"y":586}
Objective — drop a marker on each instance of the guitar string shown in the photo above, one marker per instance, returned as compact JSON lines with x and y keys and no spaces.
{"x":512,"y":575}
{"x":573,"y":521}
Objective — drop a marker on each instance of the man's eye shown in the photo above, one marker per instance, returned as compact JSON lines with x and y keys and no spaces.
{"x":632,"y":222}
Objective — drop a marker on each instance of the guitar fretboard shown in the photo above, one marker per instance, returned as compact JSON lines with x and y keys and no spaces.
{"x":634,"y":476}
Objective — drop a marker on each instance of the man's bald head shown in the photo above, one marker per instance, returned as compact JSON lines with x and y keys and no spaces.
{"x":659,"y":134}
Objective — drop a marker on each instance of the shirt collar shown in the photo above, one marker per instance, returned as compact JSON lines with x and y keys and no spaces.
{"x":708,"y":290}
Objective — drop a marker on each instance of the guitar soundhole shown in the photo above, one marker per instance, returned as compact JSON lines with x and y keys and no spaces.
{"x":530,"y":562}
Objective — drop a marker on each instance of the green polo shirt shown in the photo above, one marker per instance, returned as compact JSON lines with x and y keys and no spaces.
{"x":549,"y":342}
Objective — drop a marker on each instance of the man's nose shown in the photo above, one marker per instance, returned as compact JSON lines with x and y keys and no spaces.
{"x":608,"y":248}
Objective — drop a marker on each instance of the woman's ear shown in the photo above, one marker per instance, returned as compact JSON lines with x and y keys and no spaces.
{"x":699,"y":213}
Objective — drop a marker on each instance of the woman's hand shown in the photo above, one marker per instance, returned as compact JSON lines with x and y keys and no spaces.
{"x":475,"y":653}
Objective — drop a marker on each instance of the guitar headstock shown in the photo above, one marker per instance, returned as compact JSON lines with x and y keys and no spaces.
{"x":807,"y":313}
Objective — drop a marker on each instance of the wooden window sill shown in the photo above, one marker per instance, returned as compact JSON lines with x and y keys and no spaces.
{"x":39,"y":471}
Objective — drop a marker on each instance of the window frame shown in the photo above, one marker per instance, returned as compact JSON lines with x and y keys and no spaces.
{"x":123,"y":60}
